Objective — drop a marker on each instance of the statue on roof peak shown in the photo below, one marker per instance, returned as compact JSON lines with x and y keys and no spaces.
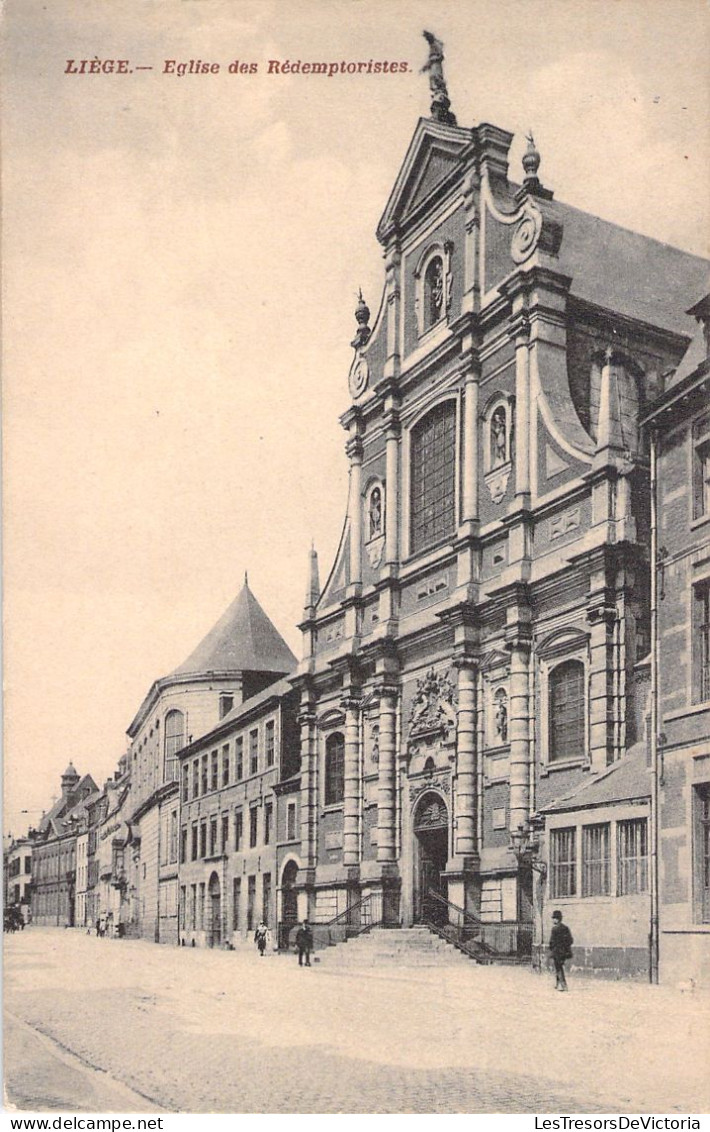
{"x":440,"y":104}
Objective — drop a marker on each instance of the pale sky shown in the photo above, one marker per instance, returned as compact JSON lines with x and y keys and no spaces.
{"x":181,"y":262}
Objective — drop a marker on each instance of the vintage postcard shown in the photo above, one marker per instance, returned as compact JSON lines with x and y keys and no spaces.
{"x":356,"y":559}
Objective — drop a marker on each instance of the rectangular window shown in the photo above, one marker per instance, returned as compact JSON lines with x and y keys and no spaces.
{"x":253,"y":752}
{"x":173,"y":836}
{"x":194,"y":841}
{"x":266,"y":899}
{"x":214,"y":776}
{"x":239,"y":758}
{"x":203,"y":838}
{"x":201,"y":910}
{"x":253,"y":826}
{"x":702,"y":851}
{"x":238,"y":828}
{"x":269,"y":743}
{"x":183,"y":844}
{"x":226,"y":703}
{"x":595,"y":860}
{"x":251,"y":903}
{"x":225,"y":766}
{"x":563,"y":862}
{"x":205,"y":783}
{"x":701,"y":472}
{"x":193,"y":906}
{"x":701,"y":643}
{"x":236,"y":902}
{"x":632,"y":857}
{"x":183,"y":910}
{"x":213,"y":837}
{"x":268,"y":817}
{"x":291,"y":822}
{"x":196,"y":779}
{"x":185,"y":792}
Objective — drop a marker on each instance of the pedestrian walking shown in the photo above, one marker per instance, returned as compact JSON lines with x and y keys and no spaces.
{"x":304,"y":944}
{"x":560,"y":949}
{"x":261,"y":937}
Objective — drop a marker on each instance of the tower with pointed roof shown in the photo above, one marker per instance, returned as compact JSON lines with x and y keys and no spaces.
{"x":470,"y":657}
{"x":242,"y":654}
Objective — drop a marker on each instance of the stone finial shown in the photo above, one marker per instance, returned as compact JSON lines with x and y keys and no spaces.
{"x":531,"y":158}
{"x":313,"y":584}
{"x":532,"y":185}
{"x":440,"y":103}
{"x":362,"y":317}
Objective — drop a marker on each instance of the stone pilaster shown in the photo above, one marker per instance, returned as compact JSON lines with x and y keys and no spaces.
{"x":520,"y":333}
{"x":309,"y":779}
{"x":387,"y":777}
{"x":601,"y":615}
{"x":393,"y":260}
{"x":470,"y":448}
{"x":353,"y":449}
{"x":465,"y":844}
{"x":351,"y":799}
{"x":392,"y":435}
{"x":519,"y":728}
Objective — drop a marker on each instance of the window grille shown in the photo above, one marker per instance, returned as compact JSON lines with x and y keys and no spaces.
{"x":632,"y":856}
{"x":433,"y":466}
{"x":563,"y":863}
{"x":566,"y":716}
{"x":334,"y":769}
{"x":595,"y":860}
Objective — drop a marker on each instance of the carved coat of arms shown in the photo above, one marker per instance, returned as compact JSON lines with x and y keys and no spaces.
{"x":432,"y":720}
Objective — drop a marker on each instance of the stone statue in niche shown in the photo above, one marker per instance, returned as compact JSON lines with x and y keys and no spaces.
{"x":498,"y":437}
{"x":501,"y":716}
{"x":375,"y":513}
{"x":434,"y":288}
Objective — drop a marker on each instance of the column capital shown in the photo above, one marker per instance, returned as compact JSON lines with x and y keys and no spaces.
{"x":518,"y":636}
{"x":384,"y":689}
{"x":392,"y":424}
{"x":465,"y":661}
{"x":351,"y":702}
{"x":354,"y":449}
{"x":519,"y":328}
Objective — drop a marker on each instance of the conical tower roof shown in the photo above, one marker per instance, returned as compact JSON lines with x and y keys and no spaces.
{"x":244,"y":639}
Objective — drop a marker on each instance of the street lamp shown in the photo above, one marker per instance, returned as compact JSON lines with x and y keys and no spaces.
{"x":525,"y":845}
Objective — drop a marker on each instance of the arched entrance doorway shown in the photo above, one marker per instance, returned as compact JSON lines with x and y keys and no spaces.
{"x":289,"y":903}
{"x":214,"y":926}
{"x":431,"y":852}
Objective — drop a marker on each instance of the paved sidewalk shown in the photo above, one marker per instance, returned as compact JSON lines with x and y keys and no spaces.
{"x":201,"y":1031}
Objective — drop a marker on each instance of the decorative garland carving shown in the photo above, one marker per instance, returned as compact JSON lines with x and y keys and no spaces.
{"x":432,"y":719}
{"x":416,"y":789}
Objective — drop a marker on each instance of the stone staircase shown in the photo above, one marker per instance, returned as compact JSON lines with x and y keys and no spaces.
{"x":394,"y":947}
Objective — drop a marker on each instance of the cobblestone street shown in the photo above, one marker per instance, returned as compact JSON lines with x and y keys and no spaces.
{"x":103,"y":1025}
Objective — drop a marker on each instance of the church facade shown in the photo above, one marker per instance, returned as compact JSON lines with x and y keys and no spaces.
{"x":475,"y":656}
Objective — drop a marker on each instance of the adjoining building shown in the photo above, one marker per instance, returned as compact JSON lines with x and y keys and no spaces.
{"x":54,"y":851}
{"x":679,"y":424}
{"x":230,"y":832}
{"x":17,"y":868}
{"x":240,"y":656}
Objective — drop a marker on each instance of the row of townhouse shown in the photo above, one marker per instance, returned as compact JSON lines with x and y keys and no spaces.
{"x":503,"y":701}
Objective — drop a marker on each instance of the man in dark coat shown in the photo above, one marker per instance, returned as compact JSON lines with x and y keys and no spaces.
{"x":304,"y":944}
{"x":560,"y":949}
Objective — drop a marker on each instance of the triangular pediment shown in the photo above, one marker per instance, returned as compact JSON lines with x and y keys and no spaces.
{"x":431,"y":159}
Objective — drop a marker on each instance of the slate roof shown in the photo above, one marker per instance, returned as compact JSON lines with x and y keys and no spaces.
{"x":56,"y":821}
{"x":243,"y":640}
{"x":624,"y":781}
{"x":624,"y":271}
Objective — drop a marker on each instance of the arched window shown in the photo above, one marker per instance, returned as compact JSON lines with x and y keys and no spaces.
{"x":174,"y":742}
{"x":433,"y":470}
{"x":334,"y":769}
{"x":433,"y":292}
{"x":566,"y":711}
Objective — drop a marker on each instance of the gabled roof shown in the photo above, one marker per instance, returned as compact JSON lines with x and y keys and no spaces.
{"x":243,"y":640}
{"x":624,"y":781}
{"x":431,"y":157}
{"x":626,"y":272}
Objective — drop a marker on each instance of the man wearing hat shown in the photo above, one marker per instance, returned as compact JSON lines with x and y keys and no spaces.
{"x":560,"y":949}
{"x":304,"y":943}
